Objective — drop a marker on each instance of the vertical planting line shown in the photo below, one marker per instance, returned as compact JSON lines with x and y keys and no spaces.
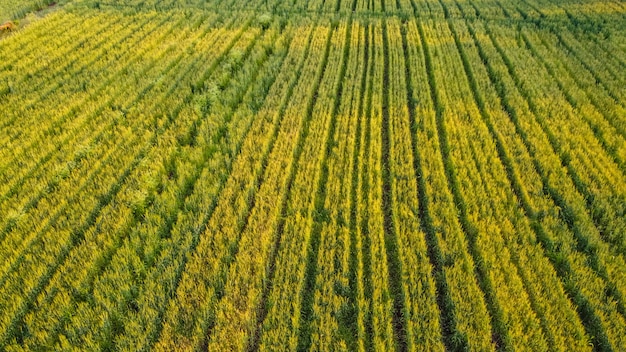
{"x":234,"y":246}
{"x":394,"y":262}
{"x":302,"y":135}
{"x":320,"y":214}
{"x":585,"y":310}
{"x":365,"y":189}
{"x":452,"y":338}
{"x":189,"y":185}
{"x":255,"y":341}
{"x":500,"y":334}
{"x":514,"y":182}
{"x":258,"y":181}
{"x":354,"y":256}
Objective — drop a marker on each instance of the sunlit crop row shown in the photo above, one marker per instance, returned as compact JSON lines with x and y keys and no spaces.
{"x":325,"y":175}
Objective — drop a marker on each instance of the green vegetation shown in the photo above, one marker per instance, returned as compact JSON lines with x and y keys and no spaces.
{"x":362,"y":175}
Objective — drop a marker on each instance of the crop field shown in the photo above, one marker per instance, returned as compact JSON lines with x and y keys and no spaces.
{"x":345,"y":175}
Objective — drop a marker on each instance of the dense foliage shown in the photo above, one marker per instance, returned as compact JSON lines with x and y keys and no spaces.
{"x":313,"y":175}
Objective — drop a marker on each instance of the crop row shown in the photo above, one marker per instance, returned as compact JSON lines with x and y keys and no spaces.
{"x":376,"y":175}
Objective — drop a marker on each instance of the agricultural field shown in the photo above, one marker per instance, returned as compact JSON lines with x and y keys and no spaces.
{"x":347,"y":175}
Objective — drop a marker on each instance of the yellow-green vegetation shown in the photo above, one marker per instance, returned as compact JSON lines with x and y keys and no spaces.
{"x":347,"y":175}
{"x":13,"y":9}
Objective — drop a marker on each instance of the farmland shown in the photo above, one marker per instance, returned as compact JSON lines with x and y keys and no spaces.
{"x":263,"y":175}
